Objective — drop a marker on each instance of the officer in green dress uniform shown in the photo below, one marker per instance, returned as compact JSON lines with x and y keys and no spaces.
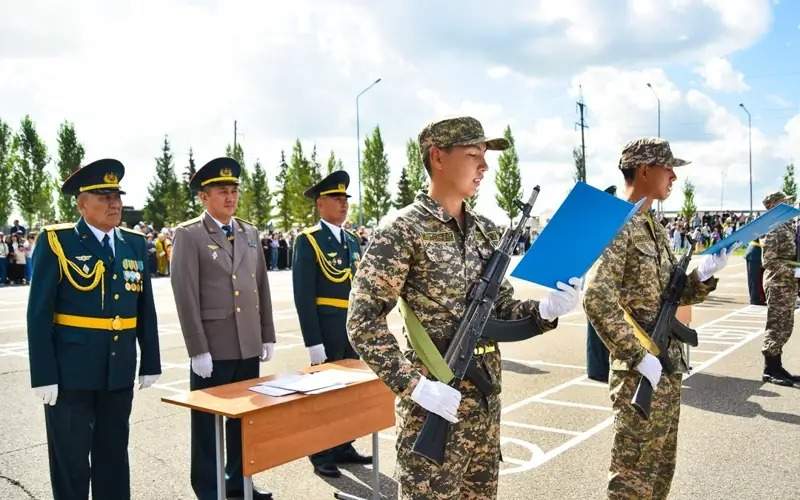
{"x":90,"y":304}
{"x":325,"y":259}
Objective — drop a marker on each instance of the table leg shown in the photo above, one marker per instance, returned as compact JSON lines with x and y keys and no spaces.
{"x":248,"y":487}
{"x":219,"y":435}
{"x":376,"y":476}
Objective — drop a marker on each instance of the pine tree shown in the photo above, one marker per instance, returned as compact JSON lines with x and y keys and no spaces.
{"x":189,"y":206}
{"x":162,"y":205}
{"x":282,"y":190}
{"x":70,"y":157}
{"x":580,"y":165}
{"x":417,"y":176}
{"x":507,"y":179}
{"x":302,"y":174}
{"x":789,"y":185}
{"x":5,"y":172}
{"x":404,"y":194}
{"x":245,"y":206}
{"x":689,"y":208}
{"x":375,"y":169}
{"x":30,"y":180}
{"x":262,"y":198}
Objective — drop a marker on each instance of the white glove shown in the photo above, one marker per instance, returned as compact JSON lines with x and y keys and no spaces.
{"x":202,"y":365}
{"x":437,"y":398}
{"x":146,"y":381}
{"x":561,"y":301}
{"x":267,"y":350}
{"x":316,"y":353}
{"x":47,"y":394}
{"x":650,"y":367}
{"x":713,"y":263}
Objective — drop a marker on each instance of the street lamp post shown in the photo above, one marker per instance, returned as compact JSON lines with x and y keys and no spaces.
{"x":750,"y":153}
{"x":658,"y":101}
{"x":358,"y":150}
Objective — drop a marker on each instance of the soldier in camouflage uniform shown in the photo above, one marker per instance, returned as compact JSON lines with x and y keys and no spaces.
{"x":630,"y":277}
{"x":429,"y":255}
{"x":779,"y":249}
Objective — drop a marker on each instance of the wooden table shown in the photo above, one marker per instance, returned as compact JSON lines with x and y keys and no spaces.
{"x":277,"y":430}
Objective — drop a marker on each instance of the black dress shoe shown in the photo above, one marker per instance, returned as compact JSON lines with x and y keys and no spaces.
{"x":257,"y":495}
{"x":327,"y":470}
{"x":351,"y":456}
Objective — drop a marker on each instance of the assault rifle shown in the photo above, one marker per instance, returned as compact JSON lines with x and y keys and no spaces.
{"x":432,"y":438}
{"x":666,"y":327}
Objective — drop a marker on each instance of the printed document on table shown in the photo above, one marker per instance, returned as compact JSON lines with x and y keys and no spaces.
{"x":311,"y":382}
{"x":583,"y":226}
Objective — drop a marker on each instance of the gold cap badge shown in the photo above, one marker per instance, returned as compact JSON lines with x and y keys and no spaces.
{"x":110,"y":178}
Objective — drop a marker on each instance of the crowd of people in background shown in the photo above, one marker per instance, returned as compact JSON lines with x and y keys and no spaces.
{"x":704,"y":229}
{"x":16,"y":247}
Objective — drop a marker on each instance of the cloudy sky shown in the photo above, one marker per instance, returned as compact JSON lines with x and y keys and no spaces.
{"x":126,"y":73}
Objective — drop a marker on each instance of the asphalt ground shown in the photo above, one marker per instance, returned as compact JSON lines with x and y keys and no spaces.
{"x":738,"y":437}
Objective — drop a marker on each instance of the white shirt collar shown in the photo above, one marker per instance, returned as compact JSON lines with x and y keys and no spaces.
{"x":100,"y":235}
{"x":336,"y":230}
{"x":220,"y":224}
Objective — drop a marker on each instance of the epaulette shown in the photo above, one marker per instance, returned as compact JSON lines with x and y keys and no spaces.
{"x":351,"y":233}
{"x":312,"y":229}
{"x":244,"y":221}
{"x":59,"y":227}
{"x":191,"y":221}
{"x":132,"y":231}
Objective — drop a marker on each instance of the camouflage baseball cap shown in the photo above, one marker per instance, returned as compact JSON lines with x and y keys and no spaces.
{"x":648,"y":151}
{"x":461,"y":131}
{"x":775,"y":198}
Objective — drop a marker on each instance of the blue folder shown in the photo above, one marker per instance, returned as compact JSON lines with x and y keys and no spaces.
{"x":582,"y":227}
{"x":776,"y":216}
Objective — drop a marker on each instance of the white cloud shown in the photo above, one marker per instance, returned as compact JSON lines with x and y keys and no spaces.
{"x":718,"y":74}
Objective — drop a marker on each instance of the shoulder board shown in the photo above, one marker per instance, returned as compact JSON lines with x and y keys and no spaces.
{"x":59,"y":227}
{"x":191,"y":221}
{"x":351,"y":233}
{"x":132,"y":231}
{"x":239,"y":219}
{"x":312,"y":229}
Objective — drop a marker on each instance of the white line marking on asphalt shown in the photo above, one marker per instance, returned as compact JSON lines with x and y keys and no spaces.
{"x":543,"y":363}
{"x":542,"y":428}
{"x":572,"y":404}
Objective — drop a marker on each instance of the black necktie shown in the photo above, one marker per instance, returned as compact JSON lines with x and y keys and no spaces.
{"x":228,"y":232}
{"x":107,"y":248}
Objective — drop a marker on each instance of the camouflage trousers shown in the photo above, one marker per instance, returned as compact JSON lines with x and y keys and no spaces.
{"x":472,"y":457}
{"x":781,"y":295}
{"x":644,"y":451}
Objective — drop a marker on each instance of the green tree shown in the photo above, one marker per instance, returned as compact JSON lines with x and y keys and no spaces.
{"x":333,"y":164}
{"x":375,"y":183}
{"x":245,"y":207}
{"x":404,"y":194}
{"x":417,"y":177}
{"x":189,"y":205}
{"x":163,"y":203}
{"x":301,"y":175}
{"x":789,"y":185}
{"x":283,"y":192}
{"x":262,"y":198}
{"x":580,"y":165}
{"x":5,"y":172}
{"x":31,"y":182}
{"x":70,"y":157}
{"x":507,"y":179}
{"x":689,"y":208}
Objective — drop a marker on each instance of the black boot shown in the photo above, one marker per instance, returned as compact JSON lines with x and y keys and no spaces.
{"x":774,"y":373}
{"x":785,"y":372}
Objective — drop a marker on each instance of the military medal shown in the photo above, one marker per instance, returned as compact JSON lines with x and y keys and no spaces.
{"x":214,"y":255}
{"x":128,"y":287}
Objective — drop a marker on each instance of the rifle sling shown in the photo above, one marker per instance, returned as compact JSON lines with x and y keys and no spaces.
{"x":426,"y":350}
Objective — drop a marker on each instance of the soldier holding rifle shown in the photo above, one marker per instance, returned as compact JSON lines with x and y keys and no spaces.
{"x":623,"y":299}
{"x":427,"y":258}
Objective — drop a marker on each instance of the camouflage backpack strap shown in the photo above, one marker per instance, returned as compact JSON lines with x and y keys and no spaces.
{"x":423,"y":345}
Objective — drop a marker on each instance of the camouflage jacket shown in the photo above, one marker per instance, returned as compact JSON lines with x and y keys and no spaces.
{"x":778,"y":247}
{"x":631,"y":274}
{"x":423,"y":256}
